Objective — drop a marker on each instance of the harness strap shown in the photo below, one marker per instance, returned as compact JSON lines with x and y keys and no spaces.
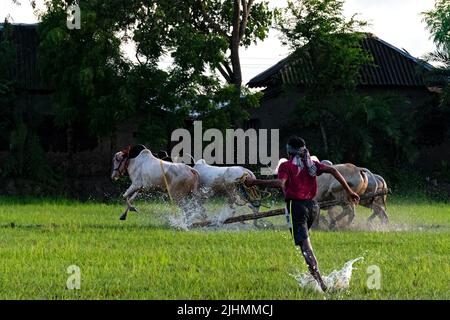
{"x":127,"y":161}
{"x":165,"y":180}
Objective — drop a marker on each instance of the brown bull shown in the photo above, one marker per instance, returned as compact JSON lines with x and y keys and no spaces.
{"x":329,"y":189}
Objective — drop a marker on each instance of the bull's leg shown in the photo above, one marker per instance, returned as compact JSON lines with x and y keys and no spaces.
{"x":232,"y":202}
{"x":350,"y":210}
{"x":333,"y":218}
{"x":373,"y":215}
{"x":255,"y":211}
{"x":321,"y":222}
{"x":379,"y":211}
{"x":129,"y":195}
{"x":347,"y":210}
{"x":132,"y":208}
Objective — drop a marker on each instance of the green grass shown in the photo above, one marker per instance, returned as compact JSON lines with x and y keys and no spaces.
{"x":143,"y":258}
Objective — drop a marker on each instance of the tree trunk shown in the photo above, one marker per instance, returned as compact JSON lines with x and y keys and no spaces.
{"x":234,"y":47}
{"x":236,"y":64}
{"x":236,"y":75}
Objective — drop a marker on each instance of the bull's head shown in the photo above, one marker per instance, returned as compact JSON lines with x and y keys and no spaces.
{"x":120,"y":163}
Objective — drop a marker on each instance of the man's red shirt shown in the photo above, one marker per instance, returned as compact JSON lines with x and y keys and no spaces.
{"x":299,"y":184}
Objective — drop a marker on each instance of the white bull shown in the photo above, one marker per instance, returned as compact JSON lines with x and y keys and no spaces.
{"x":224,"y":180}
{"x":147,"y":172}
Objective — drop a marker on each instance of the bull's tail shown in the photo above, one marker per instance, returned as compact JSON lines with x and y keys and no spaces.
{"x":196,"y":186}
{"x":192,"y":158}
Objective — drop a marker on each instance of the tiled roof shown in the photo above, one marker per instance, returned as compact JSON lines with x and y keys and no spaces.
{"x":391,"y":67}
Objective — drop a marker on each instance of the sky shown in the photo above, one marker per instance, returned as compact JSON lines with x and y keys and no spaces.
{"x":398,"y":22}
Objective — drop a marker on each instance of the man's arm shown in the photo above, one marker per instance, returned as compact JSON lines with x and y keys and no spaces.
{"x":338,"y":176}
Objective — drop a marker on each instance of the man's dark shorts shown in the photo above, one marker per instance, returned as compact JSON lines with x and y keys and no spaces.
{"x":303,"y":213}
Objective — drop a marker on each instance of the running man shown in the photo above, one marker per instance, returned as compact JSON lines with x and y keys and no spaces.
{"x":297,"y":179}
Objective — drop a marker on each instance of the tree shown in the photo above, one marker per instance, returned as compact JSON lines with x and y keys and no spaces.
{"x":327,"y":52}
{"x":204,"y":37}
{"x":327,"y":58}
{"x":96,"y":83}
{"x":438,"y":23}
{"x":84,"y":67}
{"x":435,"y":121}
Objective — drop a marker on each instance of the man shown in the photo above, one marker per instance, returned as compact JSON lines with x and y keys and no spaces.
{"x":297,"y":179}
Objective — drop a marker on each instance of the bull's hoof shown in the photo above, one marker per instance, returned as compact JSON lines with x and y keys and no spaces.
{"x":123,"y":217}
{"x":133,"y":209}
{"x":332,"y":225}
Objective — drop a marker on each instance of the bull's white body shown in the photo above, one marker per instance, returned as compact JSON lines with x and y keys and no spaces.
{"x":145,"y":172}
{"x":220,"y":179}
{"x":148,"y":172}
{"x":224,"y":180}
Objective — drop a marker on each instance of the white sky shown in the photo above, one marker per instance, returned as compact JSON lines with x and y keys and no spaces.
{"x":396,"y":21}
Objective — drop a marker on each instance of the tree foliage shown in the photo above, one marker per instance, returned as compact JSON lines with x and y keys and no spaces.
{"x":84,"y":67}
{"x":438,"y":23}
{"x":97,"y":83}
{"x":328,"y":56}
{"x":203,"y":38}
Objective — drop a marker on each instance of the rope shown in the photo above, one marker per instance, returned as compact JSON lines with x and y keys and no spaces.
{"x":165,"y":180}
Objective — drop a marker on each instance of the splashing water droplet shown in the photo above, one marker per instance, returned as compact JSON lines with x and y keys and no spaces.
{"x":189,"y":213}
{"x":335,"y":281}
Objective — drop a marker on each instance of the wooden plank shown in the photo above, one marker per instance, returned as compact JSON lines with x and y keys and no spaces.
{"x":279,"y":212}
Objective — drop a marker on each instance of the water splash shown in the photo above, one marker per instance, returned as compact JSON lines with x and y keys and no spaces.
{"x":224,"y":213}
{"x":337,"y":280}
{"x":179,"y":222}
{"x":192,"y":213}
{"x":189,"y":213}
